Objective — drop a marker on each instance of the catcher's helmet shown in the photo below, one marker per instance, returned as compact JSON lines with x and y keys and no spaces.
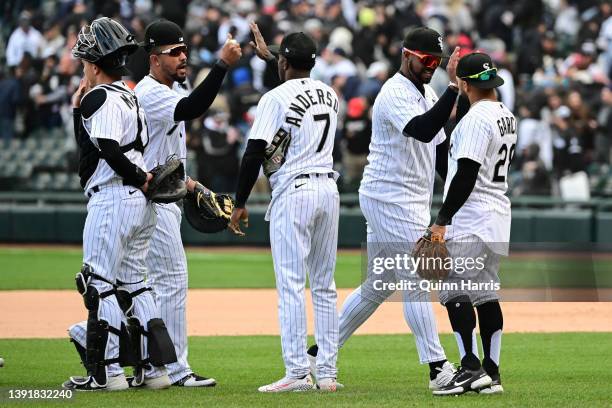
{"x":105,"y":43}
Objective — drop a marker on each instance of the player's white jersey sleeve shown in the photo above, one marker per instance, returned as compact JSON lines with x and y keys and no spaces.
{"x":158,"y":100}
{"x":400,"y":108}
{"x":268,"y":119}
{"x":107,"y":123}
{"x":472,"y":138}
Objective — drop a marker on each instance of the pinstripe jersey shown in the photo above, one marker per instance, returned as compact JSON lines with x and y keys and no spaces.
{"x":167,"y":136}
{"x":487,"y":135}
{"x":117,"y":120}
{"x":308,"y":110}
{"x":401,"y":169}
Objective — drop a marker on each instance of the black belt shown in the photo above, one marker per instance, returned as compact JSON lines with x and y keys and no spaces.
{"x":96,"y":189}
{"x":309,"y":175}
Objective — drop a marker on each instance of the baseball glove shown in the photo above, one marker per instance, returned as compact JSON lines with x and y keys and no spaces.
{"x":168,"y":182}
{"x":433,"y":254}
{"x":206,"y":211}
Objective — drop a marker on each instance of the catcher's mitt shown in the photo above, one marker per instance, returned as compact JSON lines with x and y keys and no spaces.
{"x":433,"y":263}
{"x":168,"y":182}
{"x":206,"y":211}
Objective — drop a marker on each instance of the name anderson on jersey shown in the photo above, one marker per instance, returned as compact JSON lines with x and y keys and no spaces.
{"x":303,"y":102}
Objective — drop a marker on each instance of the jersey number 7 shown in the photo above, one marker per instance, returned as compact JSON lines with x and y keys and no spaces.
{"x":318,"y":118}
{"x":505,"y":153}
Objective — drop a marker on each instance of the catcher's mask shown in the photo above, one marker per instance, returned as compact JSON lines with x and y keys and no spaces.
{"x":200,"y":218}
{"x":105,"y":43}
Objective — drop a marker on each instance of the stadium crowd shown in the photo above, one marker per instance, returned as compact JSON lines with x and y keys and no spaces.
{"x":554,"y":55}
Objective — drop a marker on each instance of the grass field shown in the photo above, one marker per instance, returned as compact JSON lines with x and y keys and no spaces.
{"x":50,"y":268}
{"x":543,"y":370}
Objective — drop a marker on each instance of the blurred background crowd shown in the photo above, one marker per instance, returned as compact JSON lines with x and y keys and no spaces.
{"x":554,"y":55}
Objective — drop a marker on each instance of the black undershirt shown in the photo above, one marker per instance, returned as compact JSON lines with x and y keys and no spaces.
{"x":202,"y":96}
{"x":249,"y":170}
{"x":460,"y":188}
{"x":131,"y":173}
{"x":426,"y":126}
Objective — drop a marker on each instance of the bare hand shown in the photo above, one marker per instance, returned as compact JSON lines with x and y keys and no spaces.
{"x":260,"y":46}
{"x":80,"y":92}
{"x":451,"y":67}
{"x":145,"y":186}
{"x":438,"y":229}
{"x":231,"y":52}
{"x":239,"y":214}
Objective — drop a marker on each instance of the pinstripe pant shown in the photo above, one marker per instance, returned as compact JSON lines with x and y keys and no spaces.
{"x":167,"y":267}
{"x":116,"y":238}
{"x":304,"y":238}
{"x":389,"y":233}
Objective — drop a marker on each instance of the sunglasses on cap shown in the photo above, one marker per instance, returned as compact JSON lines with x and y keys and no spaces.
{"x":484,"y":75}
{"x":429,"y":61}
{"x":175,"y":51}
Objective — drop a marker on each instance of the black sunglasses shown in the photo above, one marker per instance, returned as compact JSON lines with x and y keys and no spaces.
{"x":175,"y":51}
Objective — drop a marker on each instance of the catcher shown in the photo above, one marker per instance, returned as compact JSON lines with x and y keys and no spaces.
{"x":163,"y":96}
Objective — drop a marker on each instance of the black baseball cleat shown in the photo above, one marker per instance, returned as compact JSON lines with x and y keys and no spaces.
{"x":194,"y":380}
{"x":465,"y":380}
{"x":494,"y":388}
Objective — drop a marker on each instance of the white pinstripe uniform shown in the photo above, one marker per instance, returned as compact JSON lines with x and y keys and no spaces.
{"x":166,"y":263}
{"x":119,"y":221}
{"x":303,"y":217}
{"x":487,"y":135}
{"x":395,"y":198}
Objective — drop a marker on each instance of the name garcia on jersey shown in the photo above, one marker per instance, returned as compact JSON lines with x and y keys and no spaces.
{"x":302,"y":102}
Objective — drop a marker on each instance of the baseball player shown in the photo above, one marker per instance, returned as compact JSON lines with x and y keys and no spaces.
{"x":481,"y":149}
{"x":293,"y":137}
{"x":407,"y":148}
{"x":163,"y":98}
{"x":112,"y":134}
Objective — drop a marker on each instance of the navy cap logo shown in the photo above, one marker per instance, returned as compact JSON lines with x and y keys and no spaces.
{"x":440,"y":44}
{"x":486,"y":65}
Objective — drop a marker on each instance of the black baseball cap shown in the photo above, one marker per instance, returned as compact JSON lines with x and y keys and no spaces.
{"x":479,"y":63}
{"x":426,"y":40}
{"x":296,"y":46}
{"x":162,"y":32}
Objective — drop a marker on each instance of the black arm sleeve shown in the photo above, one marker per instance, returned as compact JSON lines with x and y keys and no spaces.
{"x":442,"y":158}
{"x":111,"y":152}
{"x":76,"y":120}
{"x":249,"y":170}
{"x":459,"y":190}
{"x":271,"y":79}
{"x":424,"y":127}
{"x":202,"y":96}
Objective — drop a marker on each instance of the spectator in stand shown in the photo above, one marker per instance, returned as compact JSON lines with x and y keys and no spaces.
{"x":25,"y":39}
{"x":10,"y":94}
{"x":357,"y":131}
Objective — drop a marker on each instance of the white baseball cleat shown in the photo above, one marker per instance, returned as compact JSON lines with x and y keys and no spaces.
{"x":79,"y":383}
{"x":327,"y":384}
{"x":289,"y":385}
{"x":445,"y":375}
{"x":157,"y":383}
{"x":494,"y":388}
{"x":312,"y":360}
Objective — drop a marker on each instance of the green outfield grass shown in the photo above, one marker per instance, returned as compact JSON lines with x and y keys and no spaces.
{"x":543,"y":370}
{"x":54,"y":268}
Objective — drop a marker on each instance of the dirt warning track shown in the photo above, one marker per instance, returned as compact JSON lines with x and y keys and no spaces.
{"x":215,"y":312}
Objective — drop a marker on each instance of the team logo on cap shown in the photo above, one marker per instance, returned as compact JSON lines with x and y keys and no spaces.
{"x":486,"y":65}
{"x":440,"y":43}
{"x":181,"y":39}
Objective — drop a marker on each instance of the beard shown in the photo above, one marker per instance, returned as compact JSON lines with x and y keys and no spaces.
{"x":179,"y":78}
